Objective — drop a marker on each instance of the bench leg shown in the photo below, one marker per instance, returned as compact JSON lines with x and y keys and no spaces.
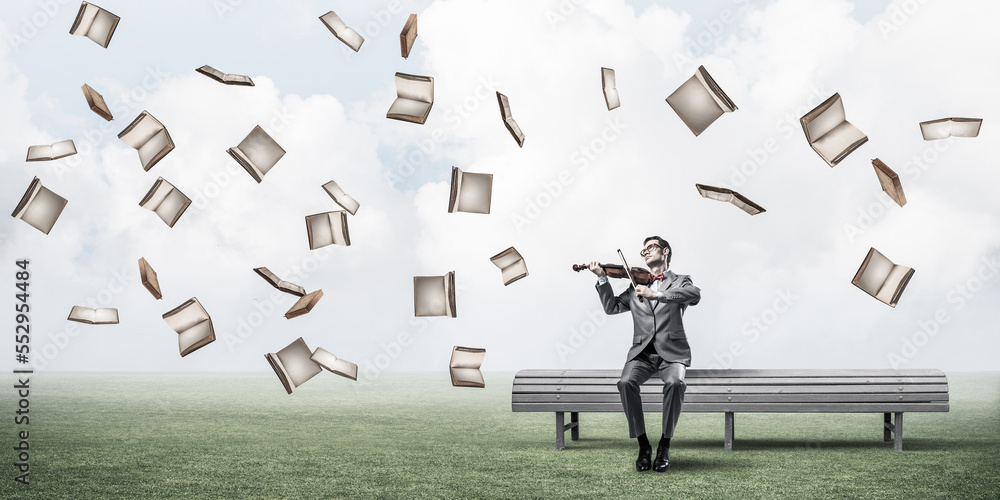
{"x":894,"y":429}
{"x":560,"y":429}
{"x":730,"y":421}
{"x":574,"y":418}
{"x":899,"y":431}
{"x":887,"y":427}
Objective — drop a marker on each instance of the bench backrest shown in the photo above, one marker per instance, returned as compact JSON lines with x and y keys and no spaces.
{"x":782,"y":391}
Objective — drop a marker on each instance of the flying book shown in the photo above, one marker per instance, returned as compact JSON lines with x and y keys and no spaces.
{"x":511,"y":264}
{"x":340,"y":30}
{"x":700,"y":101}
{"x":148,"y":277}
{"x":464,"y":366}
{"x":508,"y":120}
{"x":829,"y":133}
{"x":293,"y":365}
{"x":408,"y":35}
{"x":167,"y":201}
{"x":341,"y":198}
{"x":99,"y":316}
{"x":414,"y":98}
{"x":881,"y":278}
{"x":96,"y":102}
{"x":149,"y":137}
{"x":434,"y":295}
{"x":55,"y":151}
{"x":94,"y":23}
{"x":257,"y":153}
{"x":610,"y":92}
{"x":304,"y":304}
{"x":470,"y":192}
{"x":328,"y":228}
{"x":193,"y":326}
{"x":950,"y":127}
{"x":278,"y":283}
{"x":730,"y":196}
{"x":39,"y":207}
{"x":889,"y":181}
{"x":225,"y":78}
{"x":341,"y":367}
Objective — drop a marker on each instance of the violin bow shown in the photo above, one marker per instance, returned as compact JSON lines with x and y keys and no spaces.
{"x":627,"y":271}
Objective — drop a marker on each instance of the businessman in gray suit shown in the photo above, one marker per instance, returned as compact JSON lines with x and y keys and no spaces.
{"x":659,"y":344}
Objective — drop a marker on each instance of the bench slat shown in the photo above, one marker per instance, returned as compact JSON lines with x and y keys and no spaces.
{"x":697,"y":372}
{"x":742,"y":408}
{"x":694,"y":389}
{"x":736,"y":398}
{"x":742,"y":381}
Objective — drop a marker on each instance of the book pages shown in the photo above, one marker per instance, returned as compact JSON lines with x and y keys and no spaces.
{"x":408,"y":36}
{"x":407,"y":110}
{"x":464,"y":366}
{"x":278,"y":283}
{"x":699,"y":101}
{"x":293,"y":364}
{"x":511,"y":264}
{"x":415,"y":87}
{"x":149,"y":137}
{"x":414,"y":98}
{"x":96,"y":103}
{"x":328,"y":228}
{"x":897,"y":276}
{"x":340,"y":30}
{"x":304,"y":305}
{"x":55,"y":151}
{"x":149,"y":280}
{"x":882,"y":279}
{"x":950,"y":127}
{"x":341,"y":198}
{"x":225,"y":78}
{"x":434,"y":295}
{"x":729,"y":196}
{"x":95,"y":23}
{"x":829,"y":133}
{"x":334,"y":364}
{"x":508,"y":120}
{"x":470,"y":192}
{"x":720,"y":97}
{"x":193,"y":326}
{"x":889,"y":181}
{"x":257,"y":153}
{"x":39,"y":207}
{"x":168,"y":202}
{"x":608,"y":85}
{"x":99,"y":316}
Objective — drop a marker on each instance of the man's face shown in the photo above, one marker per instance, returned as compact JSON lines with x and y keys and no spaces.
{"x":653,"y":253}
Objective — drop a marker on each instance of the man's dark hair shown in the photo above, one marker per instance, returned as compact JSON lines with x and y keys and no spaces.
{"x":663,"y":243}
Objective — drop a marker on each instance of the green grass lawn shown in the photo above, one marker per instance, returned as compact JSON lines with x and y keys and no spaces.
{"x":413,"y":435}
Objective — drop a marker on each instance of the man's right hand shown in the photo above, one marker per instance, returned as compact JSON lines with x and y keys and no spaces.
{"x":595,"y":267}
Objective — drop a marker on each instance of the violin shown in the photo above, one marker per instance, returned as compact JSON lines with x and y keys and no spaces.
{"x":639,"y":275}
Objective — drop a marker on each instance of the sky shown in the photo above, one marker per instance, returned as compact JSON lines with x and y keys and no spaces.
{"x":776,"y":287}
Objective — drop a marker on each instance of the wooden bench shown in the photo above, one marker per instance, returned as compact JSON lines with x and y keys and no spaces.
{"x":730,"y":391}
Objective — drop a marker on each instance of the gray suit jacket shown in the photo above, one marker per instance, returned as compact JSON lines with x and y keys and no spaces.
{"x":660,"y":323}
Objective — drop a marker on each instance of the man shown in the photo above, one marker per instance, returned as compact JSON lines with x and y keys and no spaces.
{"x":659,"y":344}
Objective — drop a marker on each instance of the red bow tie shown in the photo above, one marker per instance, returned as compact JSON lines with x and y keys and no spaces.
{"x":656,"y":277}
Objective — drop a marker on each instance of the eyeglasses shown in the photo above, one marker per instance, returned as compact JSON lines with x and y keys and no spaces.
{"x":648,"y":249}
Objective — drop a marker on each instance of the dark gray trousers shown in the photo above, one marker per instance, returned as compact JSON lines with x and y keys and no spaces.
{"x":638,"y":371}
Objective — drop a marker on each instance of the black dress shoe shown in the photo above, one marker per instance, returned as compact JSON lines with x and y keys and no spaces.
{"x":642,"y":463}
{"x":662,"y":462}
